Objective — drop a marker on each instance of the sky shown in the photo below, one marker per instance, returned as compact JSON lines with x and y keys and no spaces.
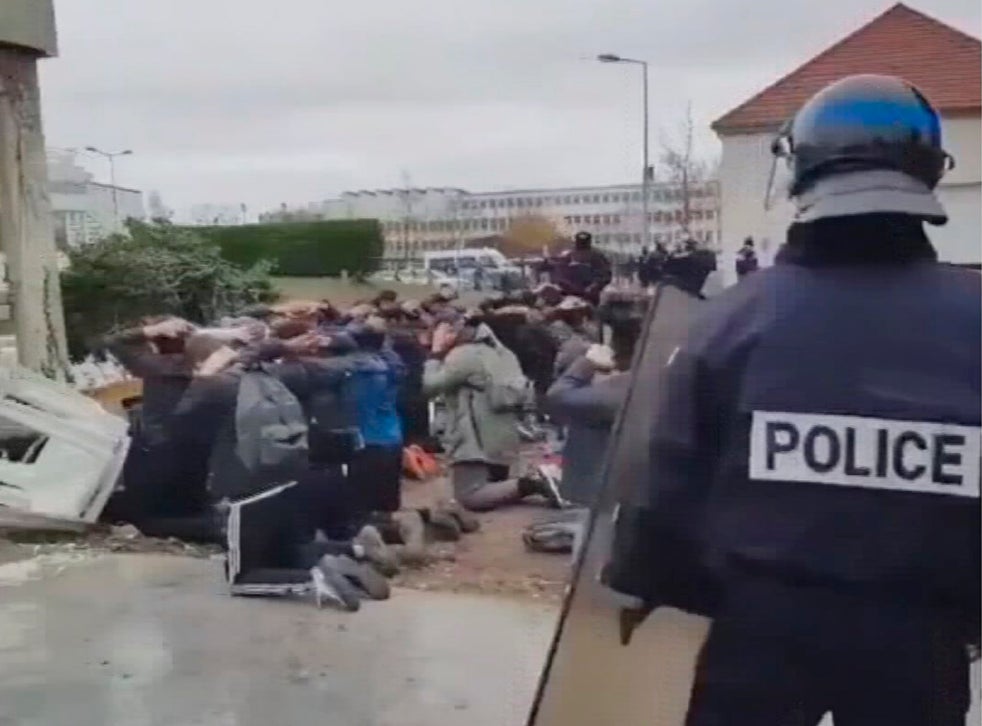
{"x":262,"y":102}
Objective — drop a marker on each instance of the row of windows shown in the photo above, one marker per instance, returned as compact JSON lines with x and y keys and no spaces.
{"x":502,"y":223}
{"x":706,"y":236}
{"x":659,"y":217}
{"x":595,"y":219}
{"x":655,"y":195}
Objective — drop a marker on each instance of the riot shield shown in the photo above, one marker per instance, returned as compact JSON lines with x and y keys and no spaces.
{"x":591,"y":676}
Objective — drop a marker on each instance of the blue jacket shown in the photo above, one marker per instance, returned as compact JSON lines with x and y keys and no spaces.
{"x":371,"y":394}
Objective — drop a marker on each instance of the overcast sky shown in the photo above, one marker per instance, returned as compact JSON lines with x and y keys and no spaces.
{"x":268,"y":101}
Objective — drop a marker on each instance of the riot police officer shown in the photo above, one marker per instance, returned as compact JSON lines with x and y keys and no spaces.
{"x":820,"y":439}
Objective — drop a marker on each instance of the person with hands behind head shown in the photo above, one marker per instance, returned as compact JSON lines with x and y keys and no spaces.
{"x":474,"y":372}
{"x":154,"y":473}
{"x":586,"y":398}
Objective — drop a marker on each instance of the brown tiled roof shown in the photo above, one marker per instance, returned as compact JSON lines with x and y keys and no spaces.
{"x":944,"y":63}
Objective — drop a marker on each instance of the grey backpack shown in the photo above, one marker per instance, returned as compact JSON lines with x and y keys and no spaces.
{"x":507,"y":388}
{"x":270,"y":426}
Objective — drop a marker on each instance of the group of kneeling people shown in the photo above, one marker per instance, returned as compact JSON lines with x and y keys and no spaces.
{"x":280,"y":433}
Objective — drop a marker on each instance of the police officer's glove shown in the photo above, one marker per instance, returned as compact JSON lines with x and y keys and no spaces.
{"x":632,"y":610}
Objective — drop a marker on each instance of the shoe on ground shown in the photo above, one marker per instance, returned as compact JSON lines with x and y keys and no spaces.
{"x":363,"y":577}
{"x":375,"y":551}
{"x":411,"y":532}
{"x":542,"y":482}
{"x":412,"y":560}
{"x":466,"y":520}
{"x":556,"y":538}
{"x":331,"y":586}
{"x":442,"y":525}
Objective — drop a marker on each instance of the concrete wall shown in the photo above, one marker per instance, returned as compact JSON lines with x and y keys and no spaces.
{"x":29,"y":23}
{"x":746,"y":164}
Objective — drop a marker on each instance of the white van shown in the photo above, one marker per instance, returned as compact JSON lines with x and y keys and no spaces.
{"x":465,"y":261}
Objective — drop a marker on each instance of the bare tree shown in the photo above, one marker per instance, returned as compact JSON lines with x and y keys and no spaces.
{"x":157,"y":208}
{"x":689,"y":174}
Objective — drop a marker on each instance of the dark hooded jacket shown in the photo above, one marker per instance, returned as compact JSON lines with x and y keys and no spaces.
{"x":857,"y":322}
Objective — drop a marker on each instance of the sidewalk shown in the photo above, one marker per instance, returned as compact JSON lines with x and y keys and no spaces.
{"x":134,"y":640}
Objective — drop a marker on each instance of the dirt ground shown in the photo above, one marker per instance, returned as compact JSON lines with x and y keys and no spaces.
{"x":492,"y":560}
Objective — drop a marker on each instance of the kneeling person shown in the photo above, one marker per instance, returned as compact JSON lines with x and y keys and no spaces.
{"x":253,"y":474}
{"x":485,"y":393}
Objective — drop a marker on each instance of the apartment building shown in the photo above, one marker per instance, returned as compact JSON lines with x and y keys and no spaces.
{"x":84,"y":210}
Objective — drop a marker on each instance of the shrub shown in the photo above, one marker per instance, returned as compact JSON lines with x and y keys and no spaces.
{"x":302,"y":249}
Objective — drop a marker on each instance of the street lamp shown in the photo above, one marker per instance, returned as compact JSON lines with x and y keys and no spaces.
{"x":646,"y":170}
{"x":112,"y":174}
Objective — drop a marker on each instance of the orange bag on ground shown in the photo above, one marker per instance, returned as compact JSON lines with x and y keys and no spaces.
{"x":417,"y":464}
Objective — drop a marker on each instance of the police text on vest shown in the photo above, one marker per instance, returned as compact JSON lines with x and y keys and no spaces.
{"x":873,"y":453}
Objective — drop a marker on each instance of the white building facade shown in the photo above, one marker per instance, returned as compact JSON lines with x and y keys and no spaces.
{"x":85,"y":210}
{"x":747,"y":132}
{"x":420,"y":220}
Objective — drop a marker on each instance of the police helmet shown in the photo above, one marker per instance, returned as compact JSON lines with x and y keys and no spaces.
{"x":865,"y":144}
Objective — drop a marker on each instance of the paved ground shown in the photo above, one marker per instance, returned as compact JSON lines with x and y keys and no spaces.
{"x":91,"y":639}
{"x":141,"y":640}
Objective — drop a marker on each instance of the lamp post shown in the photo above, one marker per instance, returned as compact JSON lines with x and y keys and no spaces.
{"x":646,"y":170}
{"x":111,"y":156}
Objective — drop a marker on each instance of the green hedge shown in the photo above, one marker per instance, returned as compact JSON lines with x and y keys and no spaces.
{"x":302,"y":249}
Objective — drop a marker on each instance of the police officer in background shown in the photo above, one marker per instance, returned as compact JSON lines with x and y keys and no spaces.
{"x":819,"y":441}
{"x":583,"y":271}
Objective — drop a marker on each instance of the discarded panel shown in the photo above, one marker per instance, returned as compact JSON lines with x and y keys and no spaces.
{"x":61,"y":453}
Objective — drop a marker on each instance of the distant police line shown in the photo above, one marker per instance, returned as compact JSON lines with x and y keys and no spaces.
{"x":873,"y":453}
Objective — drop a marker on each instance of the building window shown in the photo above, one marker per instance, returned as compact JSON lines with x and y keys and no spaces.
{"x":710,"y":214}
{"x":616,"y":219}
{"x":510,"y":202}
{"x":596,"y":219}
{"x":635,"y":196}
{"x":606,"y":219}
